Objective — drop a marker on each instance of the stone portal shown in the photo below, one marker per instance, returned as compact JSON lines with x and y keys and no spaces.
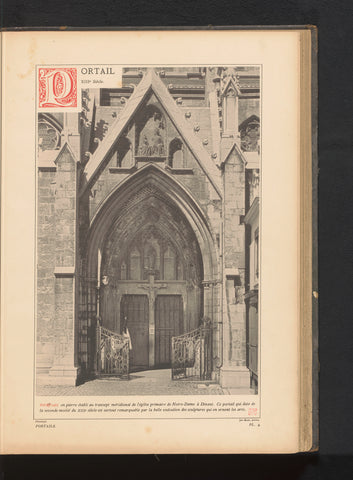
{"x":152,"y":270}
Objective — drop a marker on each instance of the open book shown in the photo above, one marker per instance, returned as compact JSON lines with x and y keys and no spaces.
{"x":157,"y":242}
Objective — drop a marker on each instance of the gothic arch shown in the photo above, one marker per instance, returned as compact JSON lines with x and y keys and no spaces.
{"x":133,"y":206}
{"x":49,"y":132}
{"x":170,"y":190}
{"x":124,"y":153}
{"x":176,"y":154}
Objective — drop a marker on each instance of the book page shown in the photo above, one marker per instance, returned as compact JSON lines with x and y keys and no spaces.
{"x":150,"y":242}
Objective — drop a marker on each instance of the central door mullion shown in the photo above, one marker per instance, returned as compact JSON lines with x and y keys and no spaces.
{"x":151,"y":330}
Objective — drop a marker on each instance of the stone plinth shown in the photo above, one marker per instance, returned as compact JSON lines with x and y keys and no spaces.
{"x":234,"y":377}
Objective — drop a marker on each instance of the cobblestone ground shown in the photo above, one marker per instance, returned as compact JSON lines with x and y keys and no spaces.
{"x":150,"y":382}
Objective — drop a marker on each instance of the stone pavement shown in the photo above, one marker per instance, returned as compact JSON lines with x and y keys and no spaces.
{"x":148,"y":382}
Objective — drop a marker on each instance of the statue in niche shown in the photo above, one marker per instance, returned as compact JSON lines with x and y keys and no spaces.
{"x":151,"y":139}
{"x":144,"y":148}
{"x":157,"y":143}
{"x":150,"y":259}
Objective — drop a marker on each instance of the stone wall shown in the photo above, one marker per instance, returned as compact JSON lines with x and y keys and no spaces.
{"x":56,"y":295}
{"x":45,"y":268}
{"x":65,"y":264}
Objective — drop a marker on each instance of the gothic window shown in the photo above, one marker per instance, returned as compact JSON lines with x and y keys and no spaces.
{"x":250,"y":134}
{"x":135,"y":265}
{"x":170,"y":263}
{"x":151,"y":133}
{"x":48,"y":135}
{"x":176,"y":156}
{"x":150,"y":253}
{"x":124,"y":153}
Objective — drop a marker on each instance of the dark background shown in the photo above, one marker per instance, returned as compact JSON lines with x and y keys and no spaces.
{"x":334,"y":20}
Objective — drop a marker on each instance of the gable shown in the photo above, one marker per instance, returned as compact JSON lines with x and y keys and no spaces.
{"x":230,"y":84}
{"x":237,"y":151}
{"x":150,"y":93}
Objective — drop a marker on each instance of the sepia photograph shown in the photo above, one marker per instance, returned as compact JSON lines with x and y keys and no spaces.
{"x":147,"y":231}
{"x":158,"y":220}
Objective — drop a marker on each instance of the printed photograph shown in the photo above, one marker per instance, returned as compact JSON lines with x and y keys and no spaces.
{"x":148,"y":233}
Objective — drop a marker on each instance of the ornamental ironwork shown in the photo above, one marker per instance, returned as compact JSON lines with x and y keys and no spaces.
{"x":112,"y":353}
{"x":192,"y":354}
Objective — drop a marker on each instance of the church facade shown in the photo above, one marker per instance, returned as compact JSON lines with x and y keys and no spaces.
{"x":148,"y":217}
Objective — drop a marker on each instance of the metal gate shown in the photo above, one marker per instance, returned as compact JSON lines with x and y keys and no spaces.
{"x":112,"y":353}
{"x":192,"y":354}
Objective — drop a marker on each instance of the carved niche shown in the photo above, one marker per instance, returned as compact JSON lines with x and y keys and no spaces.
{"x":124,"y":153}
{"x":176,"y":153}
{"x":151,"y":133}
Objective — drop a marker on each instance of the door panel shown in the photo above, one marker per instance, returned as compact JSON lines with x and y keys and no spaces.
{"x":135,"y":308}
{"x":169,"y":322}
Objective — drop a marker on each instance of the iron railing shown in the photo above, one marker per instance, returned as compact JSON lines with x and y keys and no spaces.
{"x":112,"y":353}
{"x":192,"y":354}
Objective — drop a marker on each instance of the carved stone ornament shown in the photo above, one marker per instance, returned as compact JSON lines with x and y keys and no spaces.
{"x":230,"y":72}
{"x":152,"y":136}
{"x":250,"y":136}
{"x":196,"y":128}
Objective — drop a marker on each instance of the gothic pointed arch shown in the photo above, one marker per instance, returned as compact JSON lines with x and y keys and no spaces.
{"x":124,"y":153}
{"x":176,"y":153}
{"x":150,"y":239}
{"x":151,"y":181}
{"x":49,"y":131}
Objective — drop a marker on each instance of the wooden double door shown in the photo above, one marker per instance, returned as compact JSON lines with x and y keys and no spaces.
{"x":152,"y":336}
